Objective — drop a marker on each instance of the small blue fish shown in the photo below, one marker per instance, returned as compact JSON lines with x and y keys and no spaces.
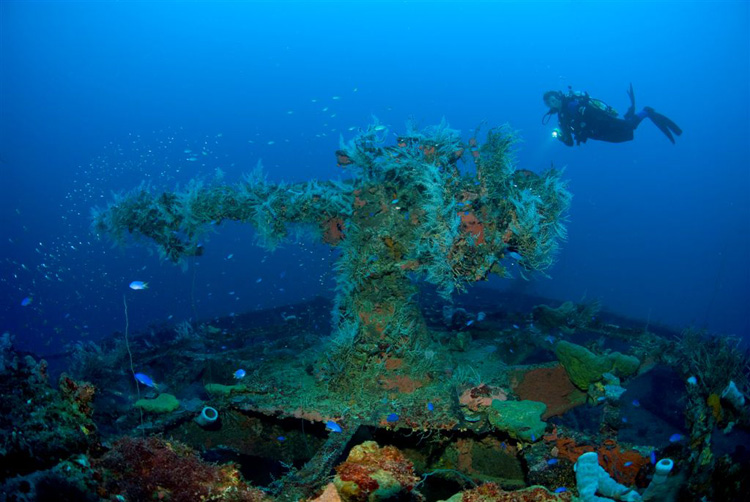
{"x":393,"y":417}
{"x":470,"y":322}
{"x":675,"y":437}
{"x":515,"y":326}
{"x":394,"y":201}
{"x":552,"y":461}
{"x":628,"y":464}
{"x":652,"y":458}
{"x":481,"y":316}
{"x":430,"y":406}
{"x":533,"y":437}
{"x":561,"y":490}
{"x":692,"y":380}
{"x":624,"y":420}
{"x":281,"y":438}
{"x":636,"y":403}
{"x":138,"y":285}
{"x":515,"y":256}
{"x":145,"y":380}
{"x":333,"y":426}
{"x":26,"y":301}
{"x":239,"y":374}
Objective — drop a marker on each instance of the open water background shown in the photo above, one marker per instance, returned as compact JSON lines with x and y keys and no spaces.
{"x":97,"y":97}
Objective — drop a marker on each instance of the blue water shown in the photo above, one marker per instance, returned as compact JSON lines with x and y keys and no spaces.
{"x":98,"y":97}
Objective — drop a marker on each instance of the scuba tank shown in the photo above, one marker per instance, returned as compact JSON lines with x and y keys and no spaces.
{"x":598,"y":103}
{"x":584,"y":98}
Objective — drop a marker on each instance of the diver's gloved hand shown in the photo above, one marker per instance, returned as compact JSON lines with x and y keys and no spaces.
{"x":562,"y":136}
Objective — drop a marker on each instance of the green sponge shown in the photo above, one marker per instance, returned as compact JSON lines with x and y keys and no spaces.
{"x":217,"y":389}
{"x":584,"y":367}
{"x":163,"y":403}
{"x":520,"y":419}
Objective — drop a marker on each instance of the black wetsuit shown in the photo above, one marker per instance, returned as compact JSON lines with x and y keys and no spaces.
{"x":582,"y":118}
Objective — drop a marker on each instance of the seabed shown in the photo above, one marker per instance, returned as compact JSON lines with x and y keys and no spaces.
{"x":439,"y":418}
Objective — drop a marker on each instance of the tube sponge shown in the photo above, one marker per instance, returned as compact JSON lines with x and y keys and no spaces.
{"x":208,"y":417}
{"x":733,"y":395}
{"x":591,"y":479}
{"x":657,"y":489}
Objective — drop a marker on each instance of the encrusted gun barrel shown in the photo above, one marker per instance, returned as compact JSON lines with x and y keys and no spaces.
{"x":408,"y":212}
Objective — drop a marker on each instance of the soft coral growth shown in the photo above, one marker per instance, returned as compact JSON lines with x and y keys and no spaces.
{"x":480,"y":397}
{"x":490,"y":492}
{"x":157,"y":469}
{"x":80,"y":394}
{"x":370,"y":468}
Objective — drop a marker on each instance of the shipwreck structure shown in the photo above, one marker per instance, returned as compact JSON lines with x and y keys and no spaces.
{"x":408,"y":212}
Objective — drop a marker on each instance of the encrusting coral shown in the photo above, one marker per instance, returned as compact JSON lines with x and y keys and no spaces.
{"x":38,"y":424}
{"x":157,"y":469}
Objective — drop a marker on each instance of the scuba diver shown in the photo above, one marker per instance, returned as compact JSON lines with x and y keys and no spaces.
{"x":581,"y":117}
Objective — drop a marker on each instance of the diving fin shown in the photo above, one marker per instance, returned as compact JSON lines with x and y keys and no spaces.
{"x":665,"y":125}
{"x":631,"y":95}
